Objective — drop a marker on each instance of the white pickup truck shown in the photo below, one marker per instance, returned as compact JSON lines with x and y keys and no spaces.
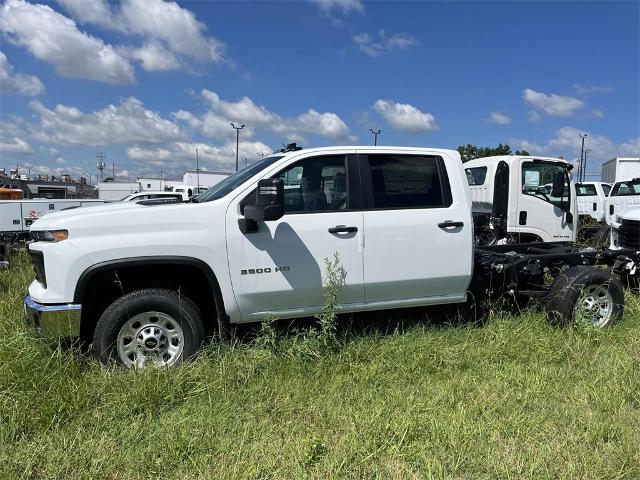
{"x":146,"y":283}
{"x":592,"y":199}
{"x":624,"y":196}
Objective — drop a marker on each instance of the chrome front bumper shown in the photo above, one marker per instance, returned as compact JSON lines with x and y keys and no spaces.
{"x":53,"y":321}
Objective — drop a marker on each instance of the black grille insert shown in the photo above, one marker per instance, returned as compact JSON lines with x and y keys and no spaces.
{"x":629,"y":234}
{"x":37,"y":258}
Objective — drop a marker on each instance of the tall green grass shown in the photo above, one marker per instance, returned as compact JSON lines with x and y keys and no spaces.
{"x":406,"y":398}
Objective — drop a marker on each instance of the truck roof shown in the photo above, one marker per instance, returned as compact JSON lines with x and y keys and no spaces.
{"x":477,"y":162}
{"x":381,"y":148}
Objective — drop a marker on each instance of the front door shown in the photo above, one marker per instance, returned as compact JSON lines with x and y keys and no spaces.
{"x":539,"y":213}
{"x":279,"y":269}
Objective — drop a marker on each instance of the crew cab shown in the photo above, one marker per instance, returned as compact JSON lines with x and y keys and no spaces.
{"x":520,"y":199}
{"x":624,"y":196}
{"x":145,"y":283}
{"x":592,"y":199}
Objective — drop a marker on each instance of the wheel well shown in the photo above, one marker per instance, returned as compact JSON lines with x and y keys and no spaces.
{"x":99,"y":288}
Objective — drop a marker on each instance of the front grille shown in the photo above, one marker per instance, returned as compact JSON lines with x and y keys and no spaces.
{"x":37,"y":258}
{"x":629,"y":234}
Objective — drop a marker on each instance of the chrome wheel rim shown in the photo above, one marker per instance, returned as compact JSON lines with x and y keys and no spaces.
{"x":595,"y":306}
{"x":150,"y":338}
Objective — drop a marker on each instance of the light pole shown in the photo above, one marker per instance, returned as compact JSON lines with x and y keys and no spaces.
{"x":375,"y":135}
{"x":581,"y":169}
{"x":197,"y":171}
{"x":237,"y":129}
{"x":584,"y":171}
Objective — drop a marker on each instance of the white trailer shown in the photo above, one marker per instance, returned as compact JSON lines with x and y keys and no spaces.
{"x":203,"y":178}
{"x":513,"y":200}
{"x":16,"y":216}
{"x":114,"y":191}
{"x":620,"y":168}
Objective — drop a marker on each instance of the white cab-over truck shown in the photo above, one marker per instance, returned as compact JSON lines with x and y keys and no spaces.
{"x":514,"y":202}
{"x":146,"y":283}
{"x":592,"y":199}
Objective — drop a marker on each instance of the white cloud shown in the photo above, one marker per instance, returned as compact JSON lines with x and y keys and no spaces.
{"x":18,"y":83}
{"x":14,"y":144}
{"x":215,"y":123}
{"x":534,"y":116}
{"x":552,"y":104}
{"x":384,"y":44}
{"x":405,"y":117}
{"x":344,"y":6}
{"x":597,"y":113}
{"x":166,"y":27}
{"x":126,"y":123}
{"x":152,"y":56}
{"x":566,"y":142}
{"x":55,"y":39}
{"x":333,"y":9}
{"x":587,"y":89}
{"x":498,"y":118}
{"x":177,"y":156}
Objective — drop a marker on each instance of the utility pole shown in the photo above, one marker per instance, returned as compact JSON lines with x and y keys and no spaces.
{"x":237,"y":129}
{"x":375,"y":135}
{"x":160,"y":180}
{"x":582,"y":166}
{"x":197,"y":171}
{"x":584,"y":171}
{"x":101,"y":164}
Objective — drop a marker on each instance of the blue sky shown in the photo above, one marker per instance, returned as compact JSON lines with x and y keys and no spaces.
{"x":148,"y":81}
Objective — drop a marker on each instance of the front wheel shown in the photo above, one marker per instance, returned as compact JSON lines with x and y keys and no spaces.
{"x":149,"y":327}
{"x":585,"y":296}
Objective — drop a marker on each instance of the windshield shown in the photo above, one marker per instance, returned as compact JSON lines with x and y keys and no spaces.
{"x":230,"y":183}
{"x":632,"y":187}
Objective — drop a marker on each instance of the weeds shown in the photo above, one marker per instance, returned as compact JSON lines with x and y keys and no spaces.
{"x":515,"y":398}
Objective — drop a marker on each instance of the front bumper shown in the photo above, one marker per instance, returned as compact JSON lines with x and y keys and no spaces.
{"x":53,"y":321}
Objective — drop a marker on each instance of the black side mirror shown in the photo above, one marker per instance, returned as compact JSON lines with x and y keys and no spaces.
{"x":269,"y":201}
{"x":557,"y":190}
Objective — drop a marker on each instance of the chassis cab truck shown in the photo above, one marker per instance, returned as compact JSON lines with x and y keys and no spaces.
{"x":518,"y":199}
{"x":145,"y":283}
{"x":592,"y":199}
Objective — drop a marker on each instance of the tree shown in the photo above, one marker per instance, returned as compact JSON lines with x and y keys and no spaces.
{"x":469,"y":152}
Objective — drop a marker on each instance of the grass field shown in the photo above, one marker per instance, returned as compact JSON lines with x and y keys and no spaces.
{"x":514,"y":398}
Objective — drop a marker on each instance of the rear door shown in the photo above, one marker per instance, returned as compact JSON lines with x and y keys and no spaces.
{"x":418,"y":234}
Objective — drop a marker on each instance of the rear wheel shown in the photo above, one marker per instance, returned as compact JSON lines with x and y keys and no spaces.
{"x":585,"y":296}
{"x":149,"y":327}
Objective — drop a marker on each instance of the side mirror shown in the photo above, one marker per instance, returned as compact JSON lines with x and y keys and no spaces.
{"x":557,"y":190}
{"x":269,"y":201}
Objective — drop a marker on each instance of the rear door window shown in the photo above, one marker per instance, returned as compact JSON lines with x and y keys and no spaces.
{"x":408,"y":181}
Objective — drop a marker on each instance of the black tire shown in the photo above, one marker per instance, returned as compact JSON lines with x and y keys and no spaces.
{"x":180,"y":308}
{"x":567,"y":289}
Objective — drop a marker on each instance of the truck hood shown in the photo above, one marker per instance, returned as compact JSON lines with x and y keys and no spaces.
{"x":120,"y":217}
{"x":633,"y":214}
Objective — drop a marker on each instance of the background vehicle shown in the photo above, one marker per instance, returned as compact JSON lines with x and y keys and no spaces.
{"x":156,"y":196}
{"x":624,"y":196}
{"x":592,"y":199}
{"x":145,"y":283}
{"x":514,"y":202}
{"x":620,"y":168}
{"x":16,"y":216}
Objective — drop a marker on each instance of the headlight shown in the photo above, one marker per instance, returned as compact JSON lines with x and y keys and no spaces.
{"x":49,"y":235}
